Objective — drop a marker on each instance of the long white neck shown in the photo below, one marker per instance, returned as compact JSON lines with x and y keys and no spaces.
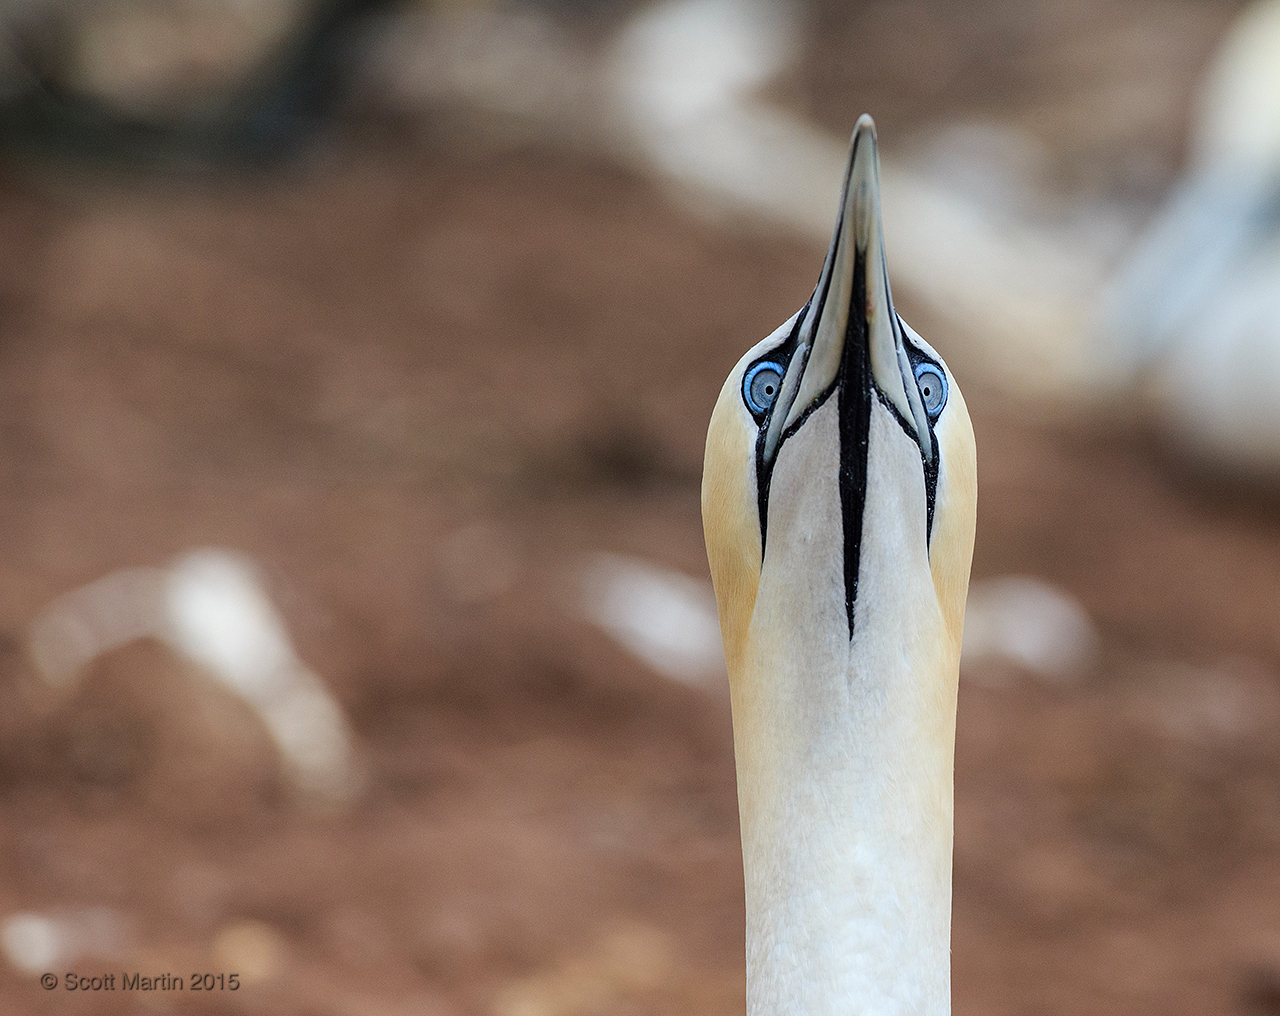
{"x":845,"y":761}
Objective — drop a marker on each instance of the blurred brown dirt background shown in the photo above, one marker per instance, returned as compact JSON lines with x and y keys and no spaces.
{"x":386,"y":371}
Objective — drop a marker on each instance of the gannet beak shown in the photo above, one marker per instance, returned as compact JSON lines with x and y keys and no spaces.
{"x":849,"y":335}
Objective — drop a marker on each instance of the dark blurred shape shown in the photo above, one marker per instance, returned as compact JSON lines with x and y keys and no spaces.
{"x":1260,"y":992}
{"x":270,"y":113}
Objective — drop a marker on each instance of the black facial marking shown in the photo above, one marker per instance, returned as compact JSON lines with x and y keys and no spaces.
{"x":918,"y":356}
{"x":855,"y":385}
{"x":764,"y":470}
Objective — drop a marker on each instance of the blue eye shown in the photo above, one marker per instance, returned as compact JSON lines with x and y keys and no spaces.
{"x":932,"y":383}
{"x":761,"y":385}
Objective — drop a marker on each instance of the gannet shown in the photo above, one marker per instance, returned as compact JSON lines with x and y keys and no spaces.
{"x":839,"y":494}
{"x":1193,"y":315}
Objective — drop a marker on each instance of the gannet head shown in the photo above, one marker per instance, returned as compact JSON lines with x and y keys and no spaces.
{"x":839,"y":494}
{"x":771,"y":477}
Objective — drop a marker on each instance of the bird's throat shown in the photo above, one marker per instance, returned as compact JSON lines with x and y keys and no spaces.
{"x":848,"y":891}
{"x":847,"y":858}
{"x":845,"y":752}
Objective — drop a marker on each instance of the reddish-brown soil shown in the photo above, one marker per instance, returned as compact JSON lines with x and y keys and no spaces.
{"x":337,"y":370}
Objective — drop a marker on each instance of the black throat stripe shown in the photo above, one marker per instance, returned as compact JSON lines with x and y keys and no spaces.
{"x":854,"y":403}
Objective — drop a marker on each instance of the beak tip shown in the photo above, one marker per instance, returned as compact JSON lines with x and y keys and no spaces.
{"x":864,"y":180}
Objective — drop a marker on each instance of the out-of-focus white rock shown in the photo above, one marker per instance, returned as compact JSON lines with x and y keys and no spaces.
{"x":34,"y":943}
{"x":210,"y":606}
{"x":95,"y":619}
{"x":218,"y":615}
{"x":1029,"y":623}
{"x":667,"y":619}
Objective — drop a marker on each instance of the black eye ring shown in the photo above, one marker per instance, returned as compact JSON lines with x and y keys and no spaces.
{"x":932,"y":383}
{"x":761,"y":385}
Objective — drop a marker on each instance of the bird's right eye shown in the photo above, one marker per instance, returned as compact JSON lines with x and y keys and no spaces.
{"x":933,"y":387}
{"x":761,"y":385}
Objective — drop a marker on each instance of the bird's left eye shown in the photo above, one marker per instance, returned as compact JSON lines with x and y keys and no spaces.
{"x":933,"y":388}
{"x":761,"y":385}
